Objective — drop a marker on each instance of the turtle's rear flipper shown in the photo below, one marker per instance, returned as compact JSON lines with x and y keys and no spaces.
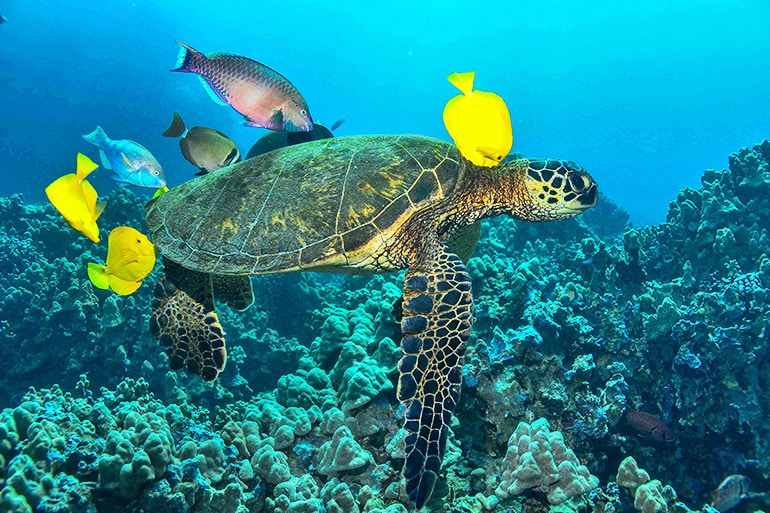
{"x":437,"y":317}
{"x":234,"y":291}
{"x":184,"y":321}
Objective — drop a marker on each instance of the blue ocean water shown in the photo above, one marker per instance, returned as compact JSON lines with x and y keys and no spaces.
{"x":644,"y":95}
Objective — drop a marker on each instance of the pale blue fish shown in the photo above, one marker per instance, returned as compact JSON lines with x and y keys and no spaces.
{"x":131,"y":162}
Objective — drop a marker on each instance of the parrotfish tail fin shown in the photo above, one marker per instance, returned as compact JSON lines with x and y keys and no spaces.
{"x":98,"y":275}
{"x":186,"y":58}
{"x":177,"y":127}
{"x":184,"y":321}
{"x":463,"y":81}
{"x":234,"y":291}
{"x":436,"y":323}
{"x":84,"y":166}
{"x":98,"y":137}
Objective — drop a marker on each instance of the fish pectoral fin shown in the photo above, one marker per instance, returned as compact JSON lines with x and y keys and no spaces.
{"x":105,"y":161}
{"x":275,"y":121}
{"x":126,"y":161}
{"x":98,"y":275}
{"x":99,"y":208}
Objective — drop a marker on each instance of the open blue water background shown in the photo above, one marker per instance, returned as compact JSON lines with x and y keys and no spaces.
{"x":645,"y":95}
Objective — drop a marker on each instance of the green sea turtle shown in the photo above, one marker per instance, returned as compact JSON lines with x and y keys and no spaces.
{"x":362,"y":204}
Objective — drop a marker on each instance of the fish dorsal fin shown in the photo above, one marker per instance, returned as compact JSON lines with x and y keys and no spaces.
{"x":84,"y":166}
{"x":463,"y":81}
{"x":177,"y":127}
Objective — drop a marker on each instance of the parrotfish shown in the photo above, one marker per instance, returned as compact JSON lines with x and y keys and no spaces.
{"x":478,"y":122}
{"x":130,"y":258}
{"x":76,"y":199}
{"x":205,"y":148}
{"x":131,"y":162}
{"x":730,"y":492}
{"x":262,"y":95}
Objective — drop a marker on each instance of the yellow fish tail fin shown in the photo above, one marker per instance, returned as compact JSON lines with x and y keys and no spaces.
{"x":160,"y":191}
{"x":85,"y":166}
{"x":99,"y":208}
{"x":463,"y":81}
{"x":98,"y":275}
{"x":123,"y":287}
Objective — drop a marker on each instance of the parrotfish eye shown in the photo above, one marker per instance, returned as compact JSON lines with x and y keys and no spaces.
{"x":155,"y":172}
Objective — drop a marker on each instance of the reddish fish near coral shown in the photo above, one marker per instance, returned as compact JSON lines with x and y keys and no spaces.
{"x":262,"y":95}
{"x":648,"y":425}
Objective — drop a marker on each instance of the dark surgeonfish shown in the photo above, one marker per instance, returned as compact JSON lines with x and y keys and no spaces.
{"x":205,"y":148}
{"x":275,"y":140}
{"x":262,"y":95}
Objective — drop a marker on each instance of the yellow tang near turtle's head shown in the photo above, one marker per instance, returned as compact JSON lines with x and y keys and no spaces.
{"x":478,"y":122}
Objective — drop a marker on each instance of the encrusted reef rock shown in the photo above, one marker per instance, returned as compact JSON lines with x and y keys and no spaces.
{"x":645,"y":341}
{"x":538,"y":457}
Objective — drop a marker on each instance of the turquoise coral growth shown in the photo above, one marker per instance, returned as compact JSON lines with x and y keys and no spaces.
{"x":577,"y":322}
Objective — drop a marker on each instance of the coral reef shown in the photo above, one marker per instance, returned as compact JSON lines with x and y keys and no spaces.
{"x":580,"y":322}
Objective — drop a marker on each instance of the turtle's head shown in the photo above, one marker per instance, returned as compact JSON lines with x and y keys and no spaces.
{"x":557,"y":189}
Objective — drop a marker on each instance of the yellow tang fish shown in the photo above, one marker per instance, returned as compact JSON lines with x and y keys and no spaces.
{"x":130,"y":258}
{"x":75,"y":198}
{"x":478,"y":122}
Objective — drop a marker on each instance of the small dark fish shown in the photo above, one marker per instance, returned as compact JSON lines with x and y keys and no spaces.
{"x":275,"y":140}
{"x":730,"y":492}
{"x":205,"y":148}
{"x":3,"y":19}
{"x":262,"y":95}
{"x":648,"y":425}
{"x":337,"y":124}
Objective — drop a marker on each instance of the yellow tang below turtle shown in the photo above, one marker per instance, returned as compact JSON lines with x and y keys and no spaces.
{"x":361,"y":204}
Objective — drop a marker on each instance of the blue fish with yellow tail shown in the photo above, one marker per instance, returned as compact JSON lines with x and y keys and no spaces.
{"x":130,"y":258}
{"x":262,"y":95}
{"x":478,"y":122}
{"x":76,"y":199}
{"x":131,"y":162}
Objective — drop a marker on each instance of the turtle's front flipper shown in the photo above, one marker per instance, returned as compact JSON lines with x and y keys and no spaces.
{"x":184,"y":321}
{"x":436,"y":326}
